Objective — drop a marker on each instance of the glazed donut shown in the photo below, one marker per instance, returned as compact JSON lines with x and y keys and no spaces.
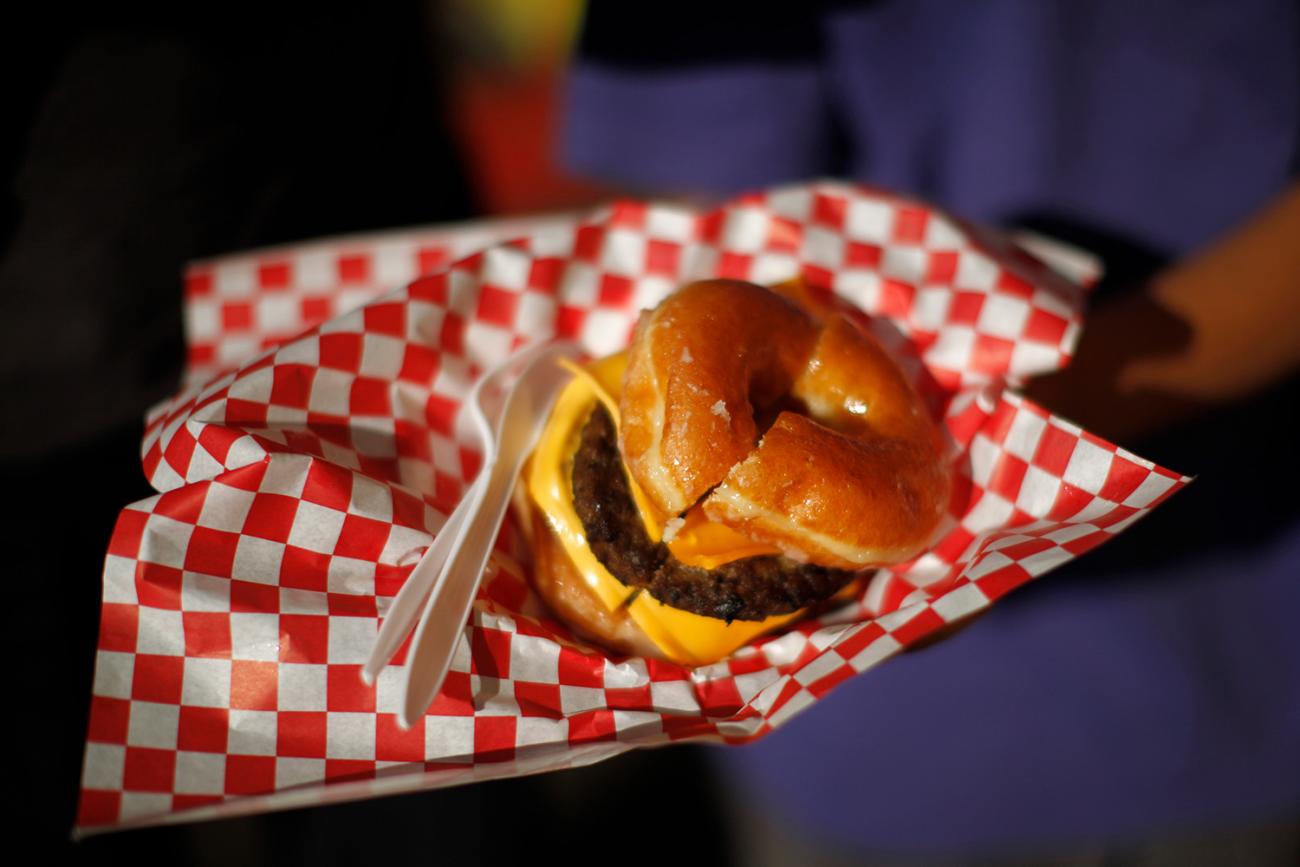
{"x":857,"y":479}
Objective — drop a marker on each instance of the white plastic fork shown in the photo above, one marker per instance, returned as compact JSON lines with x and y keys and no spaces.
{"x":442,"y":624}
{"x":414,"y":600}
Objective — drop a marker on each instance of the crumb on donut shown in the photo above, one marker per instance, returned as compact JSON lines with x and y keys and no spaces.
{"x":672,"y":528}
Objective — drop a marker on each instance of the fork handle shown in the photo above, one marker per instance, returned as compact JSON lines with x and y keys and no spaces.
{"x":409,"y":601}
{"x":449,"y":603}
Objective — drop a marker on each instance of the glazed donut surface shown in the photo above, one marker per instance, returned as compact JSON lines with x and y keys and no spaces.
{"x":567,"y":593}
{"x":858,"y":480}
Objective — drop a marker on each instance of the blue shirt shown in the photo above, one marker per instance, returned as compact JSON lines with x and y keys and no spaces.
{"x":1149,"y":687}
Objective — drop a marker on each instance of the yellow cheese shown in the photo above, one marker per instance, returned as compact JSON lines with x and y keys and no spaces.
{"x":690,"y":639}
{"x":708,"y":544}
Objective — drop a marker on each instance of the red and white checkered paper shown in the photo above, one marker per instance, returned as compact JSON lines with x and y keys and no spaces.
{"x":320,"y":446}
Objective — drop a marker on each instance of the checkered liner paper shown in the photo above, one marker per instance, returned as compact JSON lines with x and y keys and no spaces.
{"x":320,"y":445}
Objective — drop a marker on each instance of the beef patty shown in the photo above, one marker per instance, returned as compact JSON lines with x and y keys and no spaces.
{"x":750,"y":589}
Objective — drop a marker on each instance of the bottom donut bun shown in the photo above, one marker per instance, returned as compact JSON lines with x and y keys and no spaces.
{"x":564,"y":591}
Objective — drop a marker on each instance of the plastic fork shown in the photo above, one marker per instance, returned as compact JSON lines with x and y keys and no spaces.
{"x":441,"y":588}
{"x":441,"y":627}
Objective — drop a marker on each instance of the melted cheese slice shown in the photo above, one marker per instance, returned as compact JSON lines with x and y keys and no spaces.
{"x":690,"y":639}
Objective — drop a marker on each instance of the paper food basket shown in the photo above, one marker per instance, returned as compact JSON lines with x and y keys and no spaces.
{"x":317,"y":447}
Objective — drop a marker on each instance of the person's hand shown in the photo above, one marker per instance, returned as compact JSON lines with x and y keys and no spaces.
{"x":1213,"y":329}
{"x":1096,"y":391}
{"x":1217,"y":327}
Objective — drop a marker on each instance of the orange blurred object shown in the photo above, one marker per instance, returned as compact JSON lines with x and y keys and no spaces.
{"x":507,"y":120}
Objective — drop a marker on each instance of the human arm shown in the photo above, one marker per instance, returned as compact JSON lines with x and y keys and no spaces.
{"x":1218,"y":326}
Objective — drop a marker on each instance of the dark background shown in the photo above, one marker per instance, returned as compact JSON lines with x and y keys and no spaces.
{"x":138,"y":143}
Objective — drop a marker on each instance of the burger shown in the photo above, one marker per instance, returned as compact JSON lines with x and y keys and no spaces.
{"x":746,"y":461}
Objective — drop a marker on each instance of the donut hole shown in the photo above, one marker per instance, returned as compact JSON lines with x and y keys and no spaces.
{"x":766,"y":416}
